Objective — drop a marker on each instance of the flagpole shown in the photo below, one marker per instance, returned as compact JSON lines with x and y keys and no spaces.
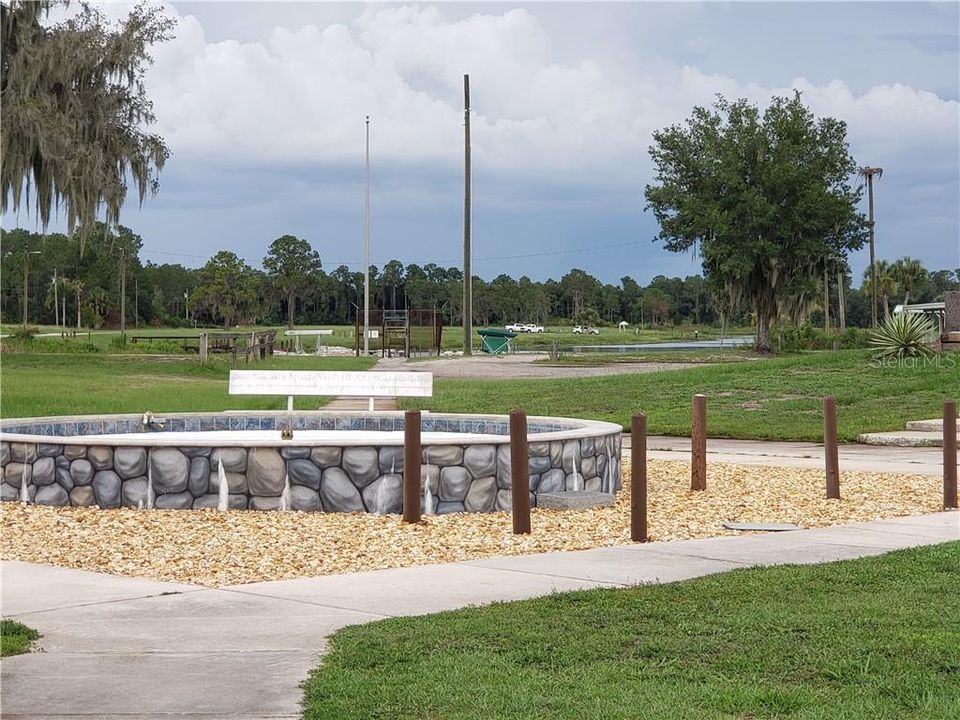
{"x":467,"y":253}
{"x":366,"y":250}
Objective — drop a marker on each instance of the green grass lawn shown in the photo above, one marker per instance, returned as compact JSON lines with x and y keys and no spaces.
{"x":15,"y":638}
{"x":39,"y":384}
{"x":765,"y":399}
{"x":775,"y":399}
{"x":869,"y":639}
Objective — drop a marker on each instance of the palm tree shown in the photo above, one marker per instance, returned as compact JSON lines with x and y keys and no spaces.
{"x":77,"y":287}
{"x":908,"y":272}
{"x":886,"y":284}
{"x":99,"y":301}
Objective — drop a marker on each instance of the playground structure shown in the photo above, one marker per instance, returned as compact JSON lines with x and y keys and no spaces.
{"x":400,"y":332}
{"x":297,"y":347}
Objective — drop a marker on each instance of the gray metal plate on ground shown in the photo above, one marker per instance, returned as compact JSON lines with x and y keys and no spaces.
{"x":574,"y":500}
{"x":764,"y":527}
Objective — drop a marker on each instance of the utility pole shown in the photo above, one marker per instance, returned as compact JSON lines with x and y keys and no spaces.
{"x":366,"y":250}
{"x":826,"y":297}
{"x":56,"y":305}
{"x":840,"y":301}
{"x":136,"y":302}
{"x":123,"y":291}
{"x":868,"y":173}
{"x":26,"y":271}
{"x":467,"y":270}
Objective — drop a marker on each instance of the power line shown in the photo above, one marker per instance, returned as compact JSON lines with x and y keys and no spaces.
{"x":173,"y":254}
{"x":451,"y":261}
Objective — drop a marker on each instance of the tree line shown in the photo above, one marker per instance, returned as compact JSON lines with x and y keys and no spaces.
{"x":769,"y":200}
{"x":75,"y":280}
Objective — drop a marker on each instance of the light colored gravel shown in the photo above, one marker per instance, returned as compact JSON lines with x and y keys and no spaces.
{"x":216,"y":549}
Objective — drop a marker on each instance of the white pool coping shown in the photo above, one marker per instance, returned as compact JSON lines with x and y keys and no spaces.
{"x":271,"y":438}
{"x":301,"y":438}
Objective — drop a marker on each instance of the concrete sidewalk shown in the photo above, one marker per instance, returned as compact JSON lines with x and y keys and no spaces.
{"x":865,"y":458}
{"x":133,"y":648}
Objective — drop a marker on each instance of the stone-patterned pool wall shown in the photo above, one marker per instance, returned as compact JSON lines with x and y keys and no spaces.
{"x":472,"y":477}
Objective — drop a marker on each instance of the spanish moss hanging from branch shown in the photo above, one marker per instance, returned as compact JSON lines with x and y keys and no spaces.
{"x":75,"y":110}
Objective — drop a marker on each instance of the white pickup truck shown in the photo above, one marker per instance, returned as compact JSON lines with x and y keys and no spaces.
{"x":524,"y":328}
{"x":585,"y":330}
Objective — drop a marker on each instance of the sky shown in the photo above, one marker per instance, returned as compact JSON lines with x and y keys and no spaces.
{"x":263,"y":107}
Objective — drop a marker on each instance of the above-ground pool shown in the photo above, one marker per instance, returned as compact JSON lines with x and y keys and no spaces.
{"x":335,"y":462}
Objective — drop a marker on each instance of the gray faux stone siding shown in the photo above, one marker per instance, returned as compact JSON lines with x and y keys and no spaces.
{"x":468,"y":477}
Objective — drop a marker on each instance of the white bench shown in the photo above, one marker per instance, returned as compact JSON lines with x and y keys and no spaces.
{"x":327,"y":382}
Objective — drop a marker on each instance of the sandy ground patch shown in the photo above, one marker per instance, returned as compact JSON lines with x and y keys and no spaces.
{"x":520,"y":366}
{"x":216,"y":549}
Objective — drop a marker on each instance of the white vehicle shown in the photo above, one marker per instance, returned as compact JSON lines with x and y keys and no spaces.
{"x":524,"y":328}
{"x":585,"y":330}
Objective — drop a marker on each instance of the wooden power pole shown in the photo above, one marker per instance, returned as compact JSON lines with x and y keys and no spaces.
{"x":868,"y":173}
{"x":467,"y":270}
{"x":123,"y":291}
{"x":826,"y":297}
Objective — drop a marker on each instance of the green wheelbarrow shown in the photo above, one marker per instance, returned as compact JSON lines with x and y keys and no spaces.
{"x":494,"y":341}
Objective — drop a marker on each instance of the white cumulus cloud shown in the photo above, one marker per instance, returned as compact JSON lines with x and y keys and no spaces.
{"x":301,"y":96}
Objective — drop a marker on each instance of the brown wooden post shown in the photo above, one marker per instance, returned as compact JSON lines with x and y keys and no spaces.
{"x":830,"y":454}
{"x":950,"y":454}
{"x":411,"y":466}
{"x":519,"y":472}
{"x":638,"y":481}
{"x":698,"y":444}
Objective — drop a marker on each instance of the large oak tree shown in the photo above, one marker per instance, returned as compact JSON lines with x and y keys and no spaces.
{"x":291,"y":265}
{"x":75,"y":110}
{"x":226,"y":289}
{"x":764,"y":198}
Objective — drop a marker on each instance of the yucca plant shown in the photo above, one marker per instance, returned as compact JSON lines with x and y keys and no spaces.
{"x":904,"y":335}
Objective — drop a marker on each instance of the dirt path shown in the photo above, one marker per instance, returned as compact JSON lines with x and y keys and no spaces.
{"x":511,"y":367}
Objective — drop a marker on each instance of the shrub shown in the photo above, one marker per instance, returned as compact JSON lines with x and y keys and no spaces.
{"x":24,"y":333}
{"x":792,"y":338}
{"x":55,"y":345}
{"x":90,"y":318}
{"x":164,"y":347}
{"x":902,"y":336}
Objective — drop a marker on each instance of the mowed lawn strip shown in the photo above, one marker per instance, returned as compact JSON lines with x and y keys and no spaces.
{"x":15,"y":638}
{"x":40,"y":384}
{"x":869,"y":639}
{"x":774,"y":399}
